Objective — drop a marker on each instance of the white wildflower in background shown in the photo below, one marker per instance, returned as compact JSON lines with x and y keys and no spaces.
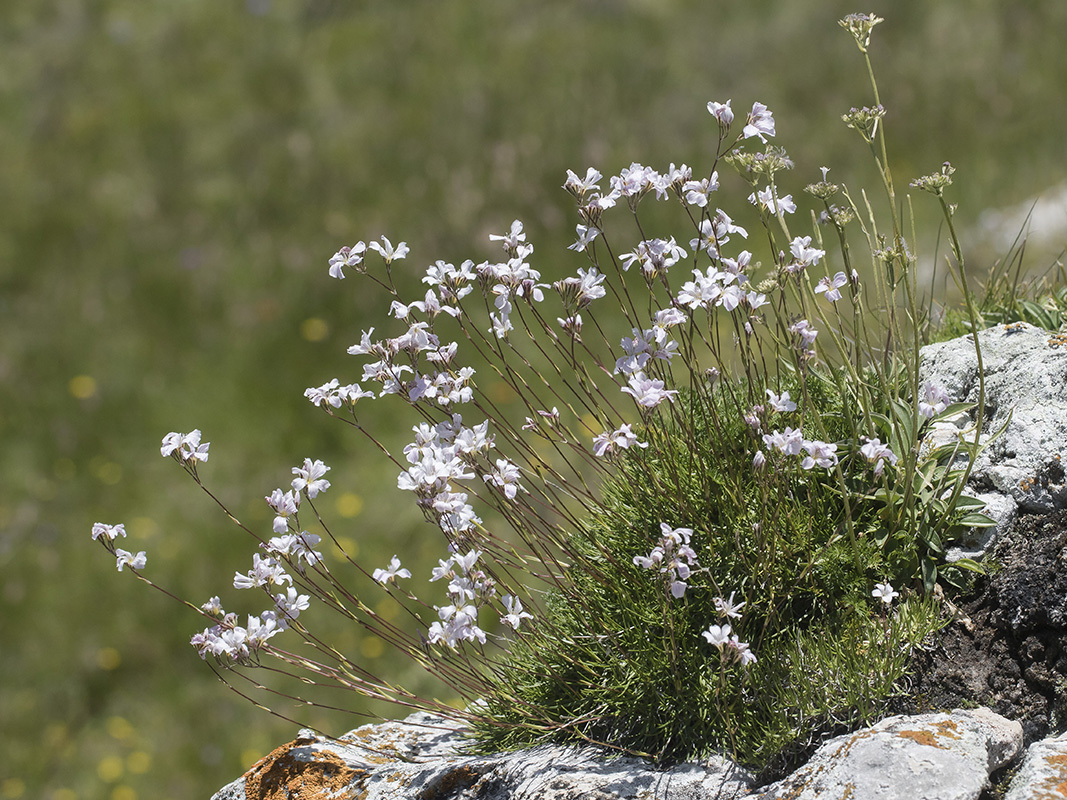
{"x":885,"y":592}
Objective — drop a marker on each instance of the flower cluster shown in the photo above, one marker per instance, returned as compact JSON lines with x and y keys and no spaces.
{"x":673,"y":557}
{"x":722,"y":637}
{"x":544,"y":508}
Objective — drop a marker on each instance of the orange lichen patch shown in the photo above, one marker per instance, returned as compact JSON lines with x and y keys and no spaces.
{"x":1053,"y":787}
{"x":283,"y":775}
{"x":1015,"y":326}
{"x":1058,"y":340}
{"x":929,"y":738}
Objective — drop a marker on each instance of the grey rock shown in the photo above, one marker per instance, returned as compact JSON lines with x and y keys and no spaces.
{"x":931,"y":756}
{"x":1026,"y":387}
{"x":1043,"y":774}
{"x":422,"y":757}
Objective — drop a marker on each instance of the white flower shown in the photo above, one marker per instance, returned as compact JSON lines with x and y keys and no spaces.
{"x":112,"y":532}
{"x":290,"y":604}
{"x":124,"y":557}
{"x":346,"y":257}
{"x":515,"y":614}
{"x":804,"y":254}
{"x":728,"y":608}
{"x":831,"y":286}
{"x":780,"y":403}
{"x":717,"y":635}
{"x":605,"y":443}
{"x":388,"y":252}
{"x":766,"y":198}
{"x":513,"y":238}
{"x":185,"y":446}
{"x":213,"y":607}
{"x":885,"y":592}
{"x":310,"y":478}
{"x":391,"y":573}
{"x":506,"y":476}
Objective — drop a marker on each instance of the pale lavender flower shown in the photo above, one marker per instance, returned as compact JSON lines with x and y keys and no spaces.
{"x":586,"y":235}
{"x":697,"y":193}
{"x":934,"y":400}
{"x":877,"y":453}
{"x":579,"y":187}
{"x":290,"y":604}
{"x":742,"y":651}
{"x":788,"y":442}
{"x":511,"y":240}
{"x":185,"y":446}
{"x":819,"y":454}
{"x":648,"y":392}
{"x":722,"y":113}
{"x":766,"y":199}
{"x":506,"y":476}
{"x":804,"y":254}
{"x":760,"y":123}
{"x":213,"y":607}
{"x":804,"y":331}
{"x":264,"y":571}
{"x":831,"y":286}
{"x":285,"y":505}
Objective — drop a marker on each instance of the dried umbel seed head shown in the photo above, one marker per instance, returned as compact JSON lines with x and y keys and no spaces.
{"x":860,"y":26}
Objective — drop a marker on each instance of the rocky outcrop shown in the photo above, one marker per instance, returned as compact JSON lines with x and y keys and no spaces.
{"x":1025,"y":370}
{"x":422,"y":757}
{"x":947,"y":756}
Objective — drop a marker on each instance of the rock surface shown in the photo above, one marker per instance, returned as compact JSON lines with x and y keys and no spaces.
{"x":933,"y":756}
{"x":1043,"y":775}
{"x":1026,"y":387}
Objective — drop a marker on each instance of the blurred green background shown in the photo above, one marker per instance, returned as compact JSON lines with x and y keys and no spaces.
{"x":173,"y":178}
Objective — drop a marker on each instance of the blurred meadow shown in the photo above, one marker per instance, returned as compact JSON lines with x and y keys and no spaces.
{"x":174,"y":177}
